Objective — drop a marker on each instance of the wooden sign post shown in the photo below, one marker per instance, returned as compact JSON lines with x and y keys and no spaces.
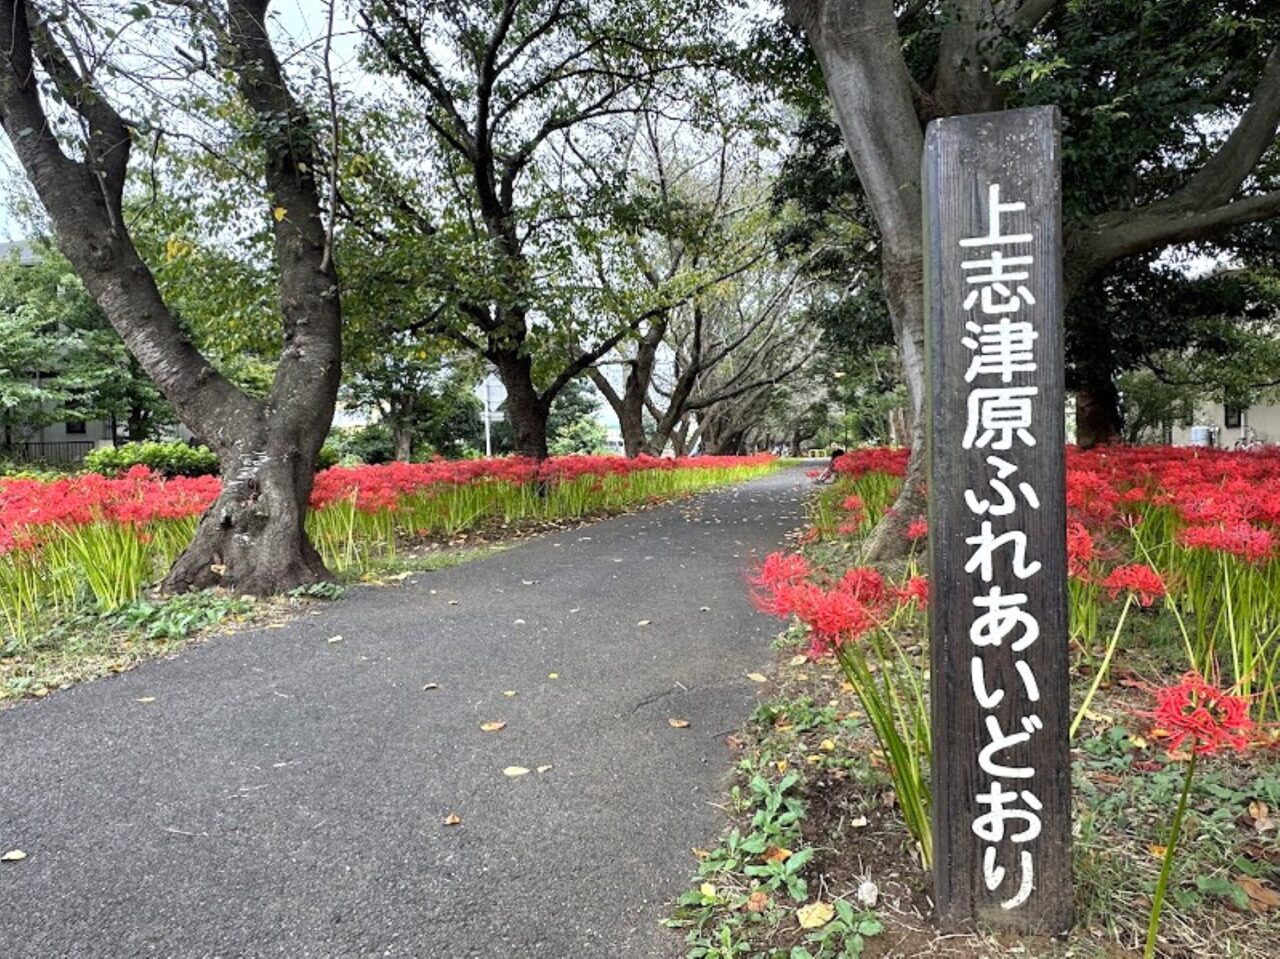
{"x":997,"y":525}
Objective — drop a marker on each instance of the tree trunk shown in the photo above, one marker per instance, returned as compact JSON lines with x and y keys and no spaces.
{"x":904,"y":291}
{"x":629,"y":408}
{"x":253,"y":539}
{"x":402,"y":438}
{"x":1098,"y":421}
{"x":400,"y":419}
{"x":528,"y":411}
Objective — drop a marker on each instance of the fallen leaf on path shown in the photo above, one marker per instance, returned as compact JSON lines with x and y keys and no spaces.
{"x":757,"y":677}
{"x":757,"y":901}
{"x":508,"y":692}
{"x":782,"y":765}
{"x":643,"y":622}
{"x":453,"y":819}
{"x":576,"y":610}
{"x":799,"y":660}
{"x":430,"y":686}
{"x":1157,"y":851}
{"x":858,"y":822}
{"x":553,"y":675}
{"x":704,"y":609}
{"x":815,"y":915}
{"x":453,"y":602}
{"x":827,"y":745}
{"x":708,"y":890}
{"x":518,"y":622}
{"x":13,"y":855}
{"x":145,"y":699}
{"x":700,"y":854}
{"x":776,"y":854}
{"x":513,"y":771}
{"x":492,"y":727}
{"x":544,"y":769}
{"x":678,"y":723}
{"x":336,"y":639}
{"x":1261,"y":898}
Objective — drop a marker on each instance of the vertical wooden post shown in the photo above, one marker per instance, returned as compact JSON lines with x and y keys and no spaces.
{"x":997,"y":521}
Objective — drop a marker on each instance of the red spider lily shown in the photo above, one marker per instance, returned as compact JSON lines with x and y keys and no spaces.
{"x":1195,"y":710}
{"x":1237,"y":537}
{"x":1137,"y":578}
{"x":915,"y":590}
{"x":880,"y":459}
{"x":864,"y":584}
{"x":780,"y":569}
{"x":836,"y":617}
{"x":918,"y":530}
{"x":852,"y":504}
{"x":1080,"y":552}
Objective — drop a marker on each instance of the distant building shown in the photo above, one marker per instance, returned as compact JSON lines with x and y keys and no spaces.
{"x":1225,"y":426}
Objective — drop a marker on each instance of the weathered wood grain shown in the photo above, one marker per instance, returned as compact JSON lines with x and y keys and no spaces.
{"x":1018,"y":149}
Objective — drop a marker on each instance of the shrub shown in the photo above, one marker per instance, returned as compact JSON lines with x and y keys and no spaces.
{"x":168,"y":459}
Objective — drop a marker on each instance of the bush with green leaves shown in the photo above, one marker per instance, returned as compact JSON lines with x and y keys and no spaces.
{"x":169,"y":459}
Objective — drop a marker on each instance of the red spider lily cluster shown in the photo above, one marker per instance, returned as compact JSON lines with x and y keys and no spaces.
{"x":376,"y":488}
{"x":1136,"y":578}
{"x":836,"y":612}
{"x":1194,"y":709}
{"x":30,"y":508}
{"x":1225,"y":501}
{"x":60,"y":540}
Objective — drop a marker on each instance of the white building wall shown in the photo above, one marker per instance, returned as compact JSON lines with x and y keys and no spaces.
{"x":1264,"y":419}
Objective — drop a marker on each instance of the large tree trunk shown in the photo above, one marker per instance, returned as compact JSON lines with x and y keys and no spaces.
{"x":252,"y":538}
{"x":904,"y":291}
{"x":528,"y":411}
{"x":1098,"y":421}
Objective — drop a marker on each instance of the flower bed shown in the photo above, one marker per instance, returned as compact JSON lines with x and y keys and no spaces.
{"x":106,"y":537}
{"x":1200,"y":528}
{"x":1174,"y":578}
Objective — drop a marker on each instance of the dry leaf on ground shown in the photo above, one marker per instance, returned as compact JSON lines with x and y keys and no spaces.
{"x":453,"y":819}
{"x":1261,"y":898}
{"x":678,"y":723}
{"x":513,"y":771}
{"x":13,"y":855}
{"x":492,"y":727}
{"x":757,"y":677}
{"x":815,"y":915}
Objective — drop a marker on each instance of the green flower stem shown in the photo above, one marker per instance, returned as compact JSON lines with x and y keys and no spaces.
{"x":1162,"y":884}
{"x":1102,"y":669}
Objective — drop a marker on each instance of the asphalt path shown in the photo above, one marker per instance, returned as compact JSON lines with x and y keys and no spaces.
{"x":280,"y":792}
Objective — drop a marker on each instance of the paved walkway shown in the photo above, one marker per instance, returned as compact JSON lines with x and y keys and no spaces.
{"x":283,"y":795}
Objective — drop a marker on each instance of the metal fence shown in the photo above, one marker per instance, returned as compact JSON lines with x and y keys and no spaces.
{"x":60,"y":451}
